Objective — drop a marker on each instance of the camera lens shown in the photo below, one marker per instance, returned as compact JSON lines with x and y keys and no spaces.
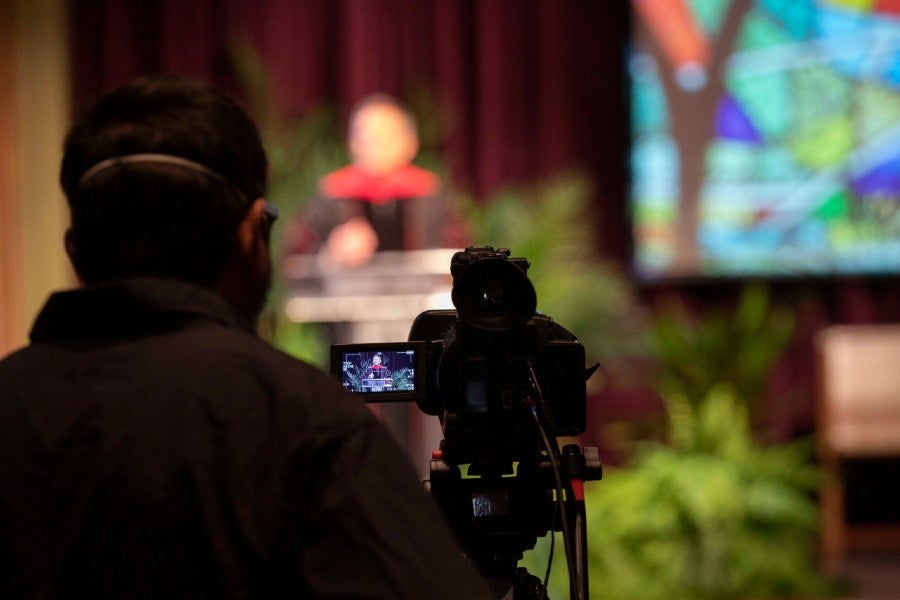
{"x":494,"y":294}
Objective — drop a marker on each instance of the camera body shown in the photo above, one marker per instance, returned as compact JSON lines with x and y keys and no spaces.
{"x":479,"y":367}
{"x":503,"y":379}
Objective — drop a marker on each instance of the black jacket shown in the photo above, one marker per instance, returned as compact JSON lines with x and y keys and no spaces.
{"x":149,"y":447}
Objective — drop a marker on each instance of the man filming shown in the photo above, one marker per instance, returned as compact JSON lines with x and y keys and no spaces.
{"x":151,"y":445}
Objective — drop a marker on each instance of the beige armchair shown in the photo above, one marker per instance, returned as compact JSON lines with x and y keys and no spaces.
{"x":858,"y":377}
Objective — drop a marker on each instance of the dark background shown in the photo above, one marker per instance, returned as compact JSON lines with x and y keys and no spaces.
{"x":534,"y":87}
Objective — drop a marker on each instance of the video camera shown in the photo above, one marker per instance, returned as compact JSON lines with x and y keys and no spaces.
{"x":504,"y":380}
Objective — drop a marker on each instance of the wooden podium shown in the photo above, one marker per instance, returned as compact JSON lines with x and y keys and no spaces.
{"x":377,"y":302}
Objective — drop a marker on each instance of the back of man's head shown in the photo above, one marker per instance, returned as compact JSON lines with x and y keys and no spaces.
{"x":158,"y":174}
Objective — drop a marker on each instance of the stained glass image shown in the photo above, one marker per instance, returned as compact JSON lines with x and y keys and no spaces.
{"x":765,"y":137}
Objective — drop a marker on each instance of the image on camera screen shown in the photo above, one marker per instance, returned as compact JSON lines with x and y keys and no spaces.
{"x":378,"y":371}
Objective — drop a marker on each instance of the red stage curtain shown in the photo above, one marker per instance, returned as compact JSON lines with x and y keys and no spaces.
{"x":535,"y":86}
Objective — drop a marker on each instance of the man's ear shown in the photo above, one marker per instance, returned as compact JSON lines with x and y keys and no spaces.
{"x":69,"y":240}
{"x":245,"y":278}
{"x":252,"y":241}
{"x":72,"y":250}
{"x":72,"y":253}
{"x":252,"y":231}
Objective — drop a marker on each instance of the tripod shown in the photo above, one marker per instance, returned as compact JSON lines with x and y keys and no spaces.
{"x":499,"y":506}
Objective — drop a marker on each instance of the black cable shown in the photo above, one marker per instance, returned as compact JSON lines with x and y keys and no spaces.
{"x":560,"y":500}
{"x":552,"y":549}
{"x":553,"y":453}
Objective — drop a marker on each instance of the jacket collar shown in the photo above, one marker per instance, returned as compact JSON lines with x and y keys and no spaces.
{"x":127,"y":307}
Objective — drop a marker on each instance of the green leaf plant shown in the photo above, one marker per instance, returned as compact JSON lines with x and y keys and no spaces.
{"x":554,"y":224}
{"x":740,"y":348}
{"x":709,"y":511}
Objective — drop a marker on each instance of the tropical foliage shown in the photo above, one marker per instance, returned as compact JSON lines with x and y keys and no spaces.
{"x":554,"y":224}
{"x":740,"y":347}
{"x":710,"y":512}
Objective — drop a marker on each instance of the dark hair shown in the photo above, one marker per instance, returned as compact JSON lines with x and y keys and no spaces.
{"x":160,"y":218}
{"x":382,"y":99}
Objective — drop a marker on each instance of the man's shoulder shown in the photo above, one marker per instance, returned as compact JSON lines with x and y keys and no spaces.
{"x":234,"y":348}
{"x":283,"y":377}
